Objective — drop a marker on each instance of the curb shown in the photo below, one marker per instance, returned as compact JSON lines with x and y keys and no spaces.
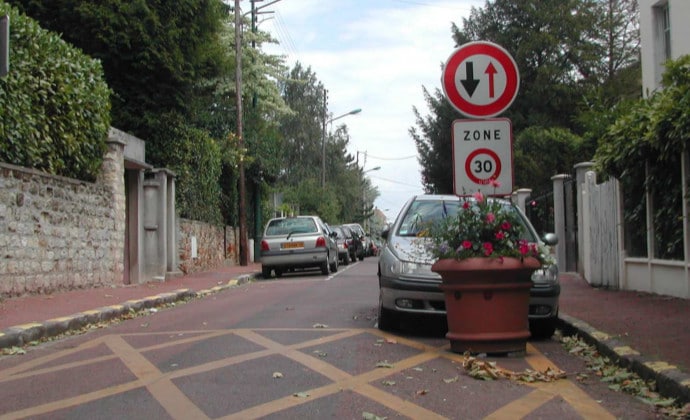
{"x":670,"y":381}
{"x":21,"y":335}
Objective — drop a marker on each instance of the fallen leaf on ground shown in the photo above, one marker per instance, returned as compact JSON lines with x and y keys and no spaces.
{"x":277,"y":375}
{"x":300,"y":395}
{"x":319,"y":326}
{"x":384,"y":364}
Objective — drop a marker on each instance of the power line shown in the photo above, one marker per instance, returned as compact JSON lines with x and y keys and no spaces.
{"x":394,"y":158}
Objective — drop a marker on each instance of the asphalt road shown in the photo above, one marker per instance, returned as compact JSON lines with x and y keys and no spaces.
{"x":304,"y":346}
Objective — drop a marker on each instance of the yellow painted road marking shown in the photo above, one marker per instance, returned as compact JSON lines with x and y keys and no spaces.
{"x":178,"y":405}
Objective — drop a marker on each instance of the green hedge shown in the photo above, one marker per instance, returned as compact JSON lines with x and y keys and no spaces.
{"x":54,"y":103}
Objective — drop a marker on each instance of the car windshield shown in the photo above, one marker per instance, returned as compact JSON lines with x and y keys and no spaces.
{"x":424,"y":213}
{"x":290,"y":226}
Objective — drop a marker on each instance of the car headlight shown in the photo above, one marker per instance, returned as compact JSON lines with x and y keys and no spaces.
{"x":546,"y":275}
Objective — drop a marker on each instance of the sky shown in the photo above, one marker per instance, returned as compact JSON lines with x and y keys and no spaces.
{"x":373,"y":55}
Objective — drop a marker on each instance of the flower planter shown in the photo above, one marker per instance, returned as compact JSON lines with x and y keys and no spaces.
{"x":487,"y":303}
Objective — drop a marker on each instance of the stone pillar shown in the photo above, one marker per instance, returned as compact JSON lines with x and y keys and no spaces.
{"x":112,"y":176}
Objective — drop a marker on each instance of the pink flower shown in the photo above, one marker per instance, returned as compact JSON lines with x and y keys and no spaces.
{"x":488,"y":248}
{"x":478,"y":196}
{"x":505,"y":225}
{"x":500,"y":235}
{"x":466,"y":244}
{"x":490,"y":218}
{"x":466,"y":205}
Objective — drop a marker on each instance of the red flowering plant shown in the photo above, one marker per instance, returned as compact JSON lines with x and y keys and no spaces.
{"x":483,"y":227}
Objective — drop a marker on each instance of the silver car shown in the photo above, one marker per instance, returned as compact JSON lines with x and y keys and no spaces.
{"x":297,"y":242}
{"x":408,"y":286}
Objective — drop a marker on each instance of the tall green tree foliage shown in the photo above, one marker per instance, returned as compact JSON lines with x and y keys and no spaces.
{"x":340,"y":200}
{"x":554,"y":45}
{"x":152,"y":52}
{"x":566,"y":51}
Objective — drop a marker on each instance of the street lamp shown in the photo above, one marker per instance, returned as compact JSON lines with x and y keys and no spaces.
{"x":323,"y":138}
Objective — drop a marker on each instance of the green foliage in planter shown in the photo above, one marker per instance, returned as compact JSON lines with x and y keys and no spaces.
{"x":196,"y":160}
{"x":54,"y":103}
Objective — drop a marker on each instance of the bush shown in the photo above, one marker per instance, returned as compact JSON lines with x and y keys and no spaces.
{"x":54,"y":103}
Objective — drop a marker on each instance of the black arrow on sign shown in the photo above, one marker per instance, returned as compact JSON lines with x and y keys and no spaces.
{"x":470,"y":83}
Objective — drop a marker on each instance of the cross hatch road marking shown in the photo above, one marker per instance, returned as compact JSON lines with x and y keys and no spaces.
{"x":162,"y":387}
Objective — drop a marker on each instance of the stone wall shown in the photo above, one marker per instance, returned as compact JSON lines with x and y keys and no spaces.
{"x":59,"y":233}
{"x":214,"y":246}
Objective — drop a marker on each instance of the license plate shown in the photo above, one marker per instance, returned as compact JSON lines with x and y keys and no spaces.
{"x":292,"y":245}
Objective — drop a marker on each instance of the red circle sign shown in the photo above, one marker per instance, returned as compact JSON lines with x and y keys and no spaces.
{"x":480,"y":79}
{"x":494,"y":169}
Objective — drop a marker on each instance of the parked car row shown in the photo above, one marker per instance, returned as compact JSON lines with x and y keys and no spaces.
{"x":407,"y":286}
{"x":301,"y":242}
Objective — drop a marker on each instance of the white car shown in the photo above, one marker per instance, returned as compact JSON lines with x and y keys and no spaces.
{"x":297,"y":242}
{"x":408,"y":286}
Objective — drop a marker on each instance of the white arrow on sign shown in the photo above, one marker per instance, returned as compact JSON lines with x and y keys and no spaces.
{"x":483,"y":156}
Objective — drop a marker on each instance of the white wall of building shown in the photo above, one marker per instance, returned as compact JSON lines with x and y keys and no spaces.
{"x":653,"y":38}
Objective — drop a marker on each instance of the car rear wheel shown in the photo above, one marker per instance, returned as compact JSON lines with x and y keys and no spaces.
{"x":325,"y":269}
{"x":346,"y":260}
{"x":334,"y":264}
{"x":279,"y":272}
{"x":265,"y":272}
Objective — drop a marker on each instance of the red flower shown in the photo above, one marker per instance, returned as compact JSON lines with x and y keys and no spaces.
{"x":500,"y":235}
{"x":466,"y":244}
{"x":488,"y":248}
{"x":466,"y":205}
{"x":523,"y":247}
{"x":505,"y":225}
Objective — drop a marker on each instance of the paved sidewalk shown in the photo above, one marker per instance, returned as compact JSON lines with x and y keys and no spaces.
{"x":646,"y":332}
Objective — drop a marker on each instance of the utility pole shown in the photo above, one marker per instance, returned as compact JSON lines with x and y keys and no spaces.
{"x":244,"y":254}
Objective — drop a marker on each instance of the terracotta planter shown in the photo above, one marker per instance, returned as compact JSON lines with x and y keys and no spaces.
{"x":487,"y":303}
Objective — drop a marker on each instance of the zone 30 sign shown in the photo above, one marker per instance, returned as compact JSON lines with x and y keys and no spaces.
{"x":482,"y":153}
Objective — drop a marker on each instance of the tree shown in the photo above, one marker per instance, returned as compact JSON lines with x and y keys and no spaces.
{"x":577,"y":59}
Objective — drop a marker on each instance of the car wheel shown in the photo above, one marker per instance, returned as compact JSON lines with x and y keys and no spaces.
{"x":279,"y":273}
{"x":265,"y":272}
{"x":388,"y":320}
{"x":325,"y":269}
{"x":334,"y":264}
{"x":361,"y":257}
{"x":542,"y":329}
{"x":346,"y":260}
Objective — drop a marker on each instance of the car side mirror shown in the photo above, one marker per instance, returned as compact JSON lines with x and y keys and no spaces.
{"x":384,"y":234}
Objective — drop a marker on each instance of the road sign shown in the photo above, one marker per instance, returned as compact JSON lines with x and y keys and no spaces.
{"x":482,"y":156}
{"x":480,"y":79}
